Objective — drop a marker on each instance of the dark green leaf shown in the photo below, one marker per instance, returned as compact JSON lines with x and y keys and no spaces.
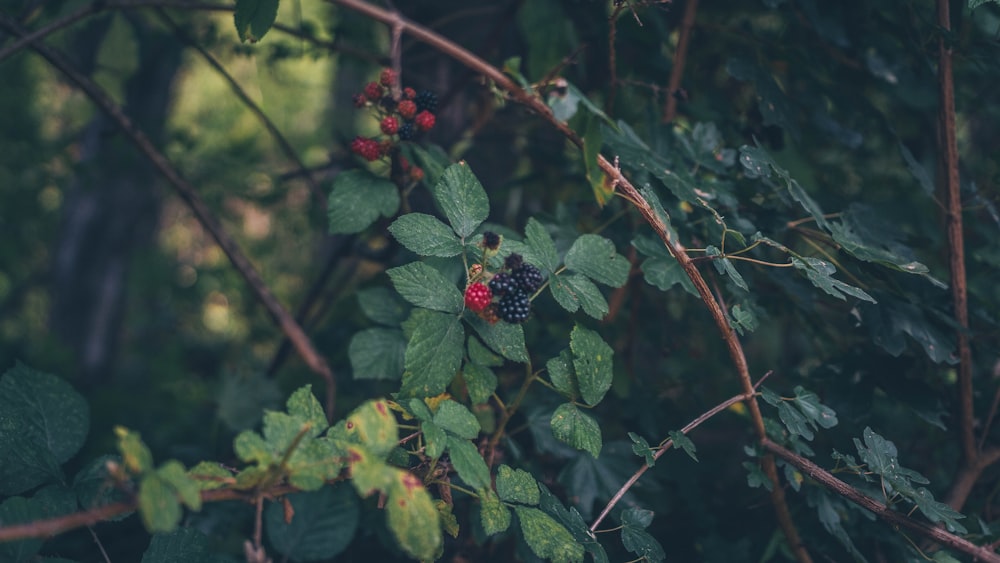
{"x":494,"y":516}
{"x":635,"y":153}
{"x":743,"y":320}
{"x":681,"y":441}
{"x":636,"y":539}
{"x":575,"y":290}
{"x":772,"y":103}
{"x":184,"y":545}
{"x":794,"y":421}
{"x":377,"y":353}
{"x":456,"y":419}
{"x":433,"y":355}
{"x":244,"y":397}
{"x":808,"y":403}
{"x":561,"y":374}
{"x":323,"y":524}
{"x":253,"y":18}
{"x":542,"y":247}
{"x":592,"y":363}
{"x":756,"y":477}
{"x":358,"y":198}
{"x":93,"y":485}
{"x":725,"y":266}
{"x":517,"y":485}
{"x":641,"y":448}
{"x":504,"y":338}
{"x":481,"y":355}
{"x":462,"y":199}
{"x":19,"y":510}
{"x":596,"y":257}
{"x":468,"y":463}
{"x":436,"y":438}
{"x":572,"y":521}
{"x":426,"y":287}
{"x":425,"y":235}
{"x":572,"y":426}
{"x":383,"y":306}
{"x":480,"y":382}
{"x":547,"y":538}
{"x":758,"y":163}
{"x":820,"y":272}
{"x":43,"y":423}
{"x":664,"y":273}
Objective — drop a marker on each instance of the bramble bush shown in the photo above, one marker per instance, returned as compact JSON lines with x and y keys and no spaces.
{"x":743,"y":265}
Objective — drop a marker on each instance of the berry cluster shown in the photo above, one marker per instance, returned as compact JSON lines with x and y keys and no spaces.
{"x":403,"y":115}
{"x":513,"y":286}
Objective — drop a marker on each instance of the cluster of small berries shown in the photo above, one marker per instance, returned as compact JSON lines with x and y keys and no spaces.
{"x":400,"y":119}
{"x":513,"y":286}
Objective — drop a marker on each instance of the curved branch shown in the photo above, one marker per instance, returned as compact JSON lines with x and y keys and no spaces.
{"x":680,"y":57}
{"x":628,"y":190}
{"x":939,"y":535}
{"x":189,"y":194}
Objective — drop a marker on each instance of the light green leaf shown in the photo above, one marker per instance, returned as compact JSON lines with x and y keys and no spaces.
{"x":543,"y":249}
{"x":377,"y":353}
{"x":595,"y":257}
{"x":433,"y":355}
{"x":547,"y":538}
{"x":136,"y":455}
{"x":425,"y":235}
{"x":187,"y":488}
{"x":158,"y":504}
{"x":253,"y":18}
{"x":462,"y":199}
{"x":468,"y":463}
{"x":572,"y":426}
{"x":322,"y":526}
{"x":494,"y":516}
{"x":412,"y":517}
{"x":575,"y":290}
{"x":426,"y":287}
{"x":517,"y":485}
{"x":374,"y":426}
{"x":357,"y":200}
{"x":592,"y":362}
{"x":303,"y":405}
{"x":457,"y":419}
{"x":480,"y":381}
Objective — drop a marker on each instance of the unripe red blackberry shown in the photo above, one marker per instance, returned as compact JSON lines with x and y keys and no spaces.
{"x":373,"y":91}
{"x":389,"y":125}
{"x":407,"y":109}
{"x":478,"y":297}
{"x":425,"y":121}
{"x":387,"y":78}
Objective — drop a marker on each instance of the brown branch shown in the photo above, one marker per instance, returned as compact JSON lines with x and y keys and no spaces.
{"x":663,"y":447}
{"x":939,"y":535}
{"x":629,"y":192}
{"x":189,"y":194}
{"x":680,"y":57}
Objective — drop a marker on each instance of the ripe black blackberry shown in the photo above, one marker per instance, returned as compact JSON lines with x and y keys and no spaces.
{"x":407,"y":131}
{"x":501,"y":284}
{"x":528,"y":278}
{"x":514,"y":307}
{"x":426,"y":100}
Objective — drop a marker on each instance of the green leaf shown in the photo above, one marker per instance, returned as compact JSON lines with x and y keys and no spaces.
{"x":357,"y":200}
{"x":158,"y":504}
{"x":576,"y":290}
{"x":572,"y":521}
{"x":561,"y":374}
{"x":253,"y":18}
{"x":503,"y":338}
{"x":303,"y":405}
{"x":251,"y":447}
{"x":480,"y":382}
{"x":572,"y":426}
{"x":543,"y":249}
{"x":244,"y":397}
{"x":481,"y":355}
{"x":183,"y":545}
{"x":383,"y":306}
{"x":592,"y":141}
{"x":462,"y":199}
{"x":495,"y":517}
{"x":468,"y":463}
{"x":681,"y":441}
{"x":425,"y":235}
{"x":43,"y":423}
{"x":19,"y":510}
{"x":743,"y":320}
{"x":756,"y":477}
{"x":758,"y":163}
{"x":664,"y":273}
{"x":457,"y":419}
{"x":323,"y":524}
{"x":91,"y":485}
{"x":436,"y":438}
{"x":596,"y":257}
{"x":636,"y":539}
{"x":517,"y":485}
{"x":592,"y":363}
{"x":641,"y":448}
{"x":433,"y":355}
{"x":725,"y":266}
{"x":808,"y":403}
{"x":794,"y":421}
{"x":187,"y":488}
{"x":547,"y":538}
{"x":136,"y":455}
{"x":413,"y":518}
{"x":426,"y":287}
{"x":819,"y":272}
{"x":773,"y":104}
{"x":973,"y":4}
{"x":368,"y":472}
{"x":209,"y":475}
{"x":377,"y":353}
{"x":635,"y":153}
{"x":374,"y":426}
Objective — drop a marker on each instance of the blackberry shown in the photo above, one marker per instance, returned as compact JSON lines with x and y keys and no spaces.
{"x":491,"y":240}
{"x":513,"y":262}
{"x":426,"y":100}
{"x":514,"y":307}
{"x":502,"y":284}
{"x":528,"y":278}
{"x":407,"y":131}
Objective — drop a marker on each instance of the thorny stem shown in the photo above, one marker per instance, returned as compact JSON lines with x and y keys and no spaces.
{"x":629,"y":192}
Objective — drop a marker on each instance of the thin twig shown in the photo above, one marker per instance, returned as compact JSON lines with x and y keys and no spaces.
{"x":680,"y":58}
{"x":189,"y":194}
{"x":664,"y":446}
{"x":628,"y":191}
{"x":894,"y":518}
